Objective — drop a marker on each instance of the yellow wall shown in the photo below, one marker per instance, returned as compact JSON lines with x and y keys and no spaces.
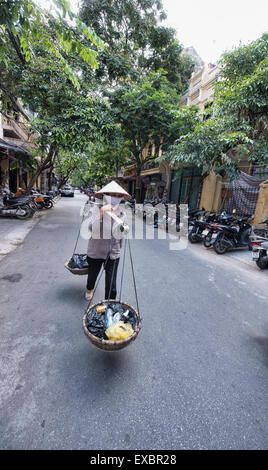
{"x":211,"y":193}
{"x":261,"y":212}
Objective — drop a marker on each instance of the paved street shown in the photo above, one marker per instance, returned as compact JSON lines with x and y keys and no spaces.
{"x":195,"y":378}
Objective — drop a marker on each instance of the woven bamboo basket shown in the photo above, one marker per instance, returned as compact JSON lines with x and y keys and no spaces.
{"x":79,"y":272}
{"x":107,"y":345}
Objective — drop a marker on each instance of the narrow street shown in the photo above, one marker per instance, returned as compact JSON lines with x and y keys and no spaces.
{"x":195,"y":378}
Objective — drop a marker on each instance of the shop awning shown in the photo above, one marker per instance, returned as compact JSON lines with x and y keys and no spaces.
{"x":13,"y":147}
{"x":129,"y":177}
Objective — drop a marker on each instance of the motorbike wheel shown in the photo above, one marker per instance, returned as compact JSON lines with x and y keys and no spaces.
{"x":192,"y":237}
{"x":27,"y":213}
{"x":207,"y":241}
{"x":39,"y":206}
{"x":261,"y":263}
{"x":219,"y":246}
{"x":48,"y":205}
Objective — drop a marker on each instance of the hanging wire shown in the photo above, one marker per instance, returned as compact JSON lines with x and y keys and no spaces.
{"x":123,"y":269}
{"x":79,"y":230}
{"x":133,"y":275}
{"x":111,"y":283}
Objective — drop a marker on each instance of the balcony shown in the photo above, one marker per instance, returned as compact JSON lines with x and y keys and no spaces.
{"x":194,"y":96}
{"x":197,"y":76}
{"x":14,"y":129}
{"x":195,"y":88}
{"x":150,"y":171}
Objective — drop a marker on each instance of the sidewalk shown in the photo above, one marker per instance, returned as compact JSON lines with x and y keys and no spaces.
{"x":244,"y":256}
{"x":241,"y":255}
{"x":14,"y":231}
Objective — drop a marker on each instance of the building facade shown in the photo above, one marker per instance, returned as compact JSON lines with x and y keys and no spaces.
{"x":201,"y":87}
{"x":16,"y":159}
{"x":216,"y":190}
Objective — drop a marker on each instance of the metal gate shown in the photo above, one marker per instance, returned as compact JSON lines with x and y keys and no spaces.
{"x":186,"y":187}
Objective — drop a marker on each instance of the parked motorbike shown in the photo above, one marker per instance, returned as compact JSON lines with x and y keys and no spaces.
{"x":230,"y":237}
{"x":197,"y":225}
{"x":150,"y":214}
{"x":18,"y":209}
{"x":9,"y":201}
{"x":259,"y":242}
{"x":211,"y":230}
{"x":42,"y":201}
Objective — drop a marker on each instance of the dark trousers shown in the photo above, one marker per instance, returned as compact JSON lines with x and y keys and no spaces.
{"x":94,"y":267}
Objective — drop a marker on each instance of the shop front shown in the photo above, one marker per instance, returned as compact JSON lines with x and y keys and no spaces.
{"x":154,"y":187}
{"x":155,"y":181}
{"x":15,"y":165}
{"x":186,"y":186}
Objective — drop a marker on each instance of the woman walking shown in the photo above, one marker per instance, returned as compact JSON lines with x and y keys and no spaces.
{"x":103,"y":247}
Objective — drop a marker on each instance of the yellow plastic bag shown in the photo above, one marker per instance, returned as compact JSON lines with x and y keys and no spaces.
{"x":119,"y":330}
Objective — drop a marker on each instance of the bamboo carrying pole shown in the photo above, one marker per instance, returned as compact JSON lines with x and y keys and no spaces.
{"x":120,"y":228}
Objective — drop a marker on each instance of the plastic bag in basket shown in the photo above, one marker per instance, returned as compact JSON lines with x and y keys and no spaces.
{"x":118,"y":331}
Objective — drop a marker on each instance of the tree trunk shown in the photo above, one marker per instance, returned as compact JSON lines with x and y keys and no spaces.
{"x":138,"y":185}
{"x":50,"y":177}
{"x":64,"y":179}
{"x":62,"y":182}
{"x":43,"y":166}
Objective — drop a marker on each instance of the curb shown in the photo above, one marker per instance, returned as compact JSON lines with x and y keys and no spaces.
{"x":16,"y":237}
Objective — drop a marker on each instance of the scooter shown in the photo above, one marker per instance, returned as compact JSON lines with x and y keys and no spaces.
{"x":198,"y":225}
{"x":42,"y":201}
{"x":259,"y":242}
{"x":211,"y":230}
{"x":21,"y":201}
{"x":152,"y":215}
{"x":233,"y":236}
{"x":18,"y":210}
{"x":172,"y":219}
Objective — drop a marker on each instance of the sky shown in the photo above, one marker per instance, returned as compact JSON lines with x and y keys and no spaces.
{"x":212,"y":26}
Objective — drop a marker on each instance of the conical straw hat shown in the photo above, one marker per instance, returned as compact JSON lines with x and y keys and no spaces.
{"x":112,"y":188}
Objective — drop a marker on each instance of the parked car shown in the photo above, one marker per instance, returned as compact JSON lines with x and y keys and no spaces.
{"x":67,"y":191}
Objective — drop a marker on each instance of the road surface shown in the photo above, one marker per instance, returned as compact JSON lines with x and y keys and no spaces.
{"x":195,"y":378}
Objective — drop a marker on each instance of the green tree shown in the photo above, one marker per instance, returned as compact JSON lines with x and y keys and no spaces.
{"x":65,"y":119}
{"x":103,"y":160}
{"x":141,"y":71}
{"x":236,"y":121}
{"x":65,"y":165}
{"x":23,"y":23}
{"x":137,"y":41}
{"x":241,"y":95}
{"x":210,"y":147}
{"x":150,"y":119}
